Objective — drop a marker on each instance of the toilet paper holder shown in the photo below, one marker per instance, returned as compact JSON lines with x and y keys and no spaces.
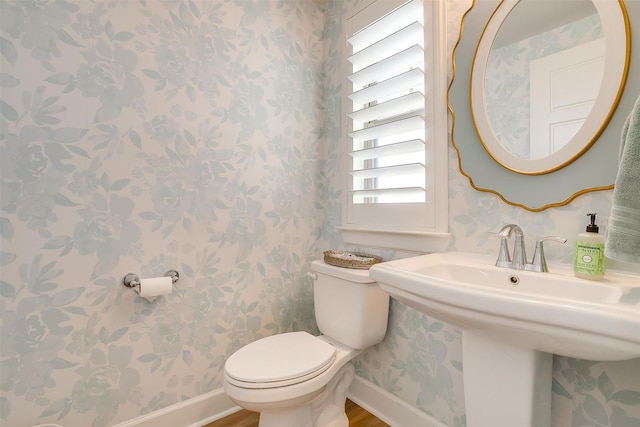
{"x":132,"y":280}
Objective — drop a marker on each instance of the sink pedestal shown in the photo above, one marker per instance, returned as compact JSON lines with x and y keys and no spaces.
{"x":505,"y":384}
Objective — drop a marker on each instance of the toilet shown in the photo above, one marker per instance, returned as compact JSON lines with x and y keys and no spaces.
{"x":296,"y":379}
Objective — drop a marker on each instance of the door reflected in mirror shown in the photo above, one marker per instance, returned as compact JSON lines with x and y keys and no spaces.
{"x":543,"y":75}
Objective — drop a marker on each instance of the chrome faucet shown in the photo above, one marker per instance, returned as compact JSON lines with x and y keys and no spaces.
{"x":519,"y":259}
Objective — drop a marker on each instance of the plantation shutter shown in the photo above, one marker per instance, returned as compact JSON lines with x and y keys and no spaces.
{"x":387,"y":116}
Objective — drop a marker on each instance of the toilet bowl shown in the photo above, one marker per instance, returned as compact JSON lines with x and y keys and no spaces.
{"x":296,"y":379}
{"x":294,"y":387}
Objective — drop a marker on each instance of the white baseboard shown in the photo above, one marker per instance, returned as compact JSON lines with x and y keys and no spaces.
{"x":212,"y":406}
{"x":195,"y":412}
{"x":388,"y":407}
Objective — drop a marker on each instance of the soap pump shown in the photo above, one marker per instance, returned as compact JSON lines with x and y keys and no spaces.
{"x":589,"y":261}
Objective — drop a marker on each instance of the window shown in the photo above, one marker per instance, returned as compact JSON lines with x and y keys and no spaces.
{"x":396,"y":134}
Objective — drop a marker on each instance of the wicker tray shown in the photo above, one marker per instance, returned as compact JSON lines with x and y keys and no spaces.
{"x":351,"y":259}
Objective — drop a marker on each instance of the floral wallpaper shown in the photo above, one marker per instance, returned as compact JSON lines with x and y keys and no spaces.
{"x":420,"y":360}
{"x":143,"y":136}
{"x":203,"y":136}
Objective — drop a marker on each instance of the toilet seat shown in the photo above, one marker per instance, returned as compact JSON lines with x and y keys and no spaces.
{"x":279,"y":360}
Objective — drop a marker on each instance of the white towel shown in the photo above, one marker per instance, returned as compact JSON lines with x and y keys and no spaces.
{"x":623,"y":231}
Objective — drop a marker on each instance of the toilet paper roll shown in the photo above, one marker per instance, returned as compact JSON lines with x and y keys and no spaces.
{"x":155,"y":286}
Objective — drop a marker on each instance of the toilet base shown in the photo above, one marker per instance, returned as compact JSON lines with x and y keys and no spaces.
{"x":325,"y":410}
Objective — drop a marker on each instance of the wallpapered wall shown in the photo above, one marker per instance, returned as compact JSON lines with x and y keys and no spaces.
{"x":142,"y":136}
{"x":420,"y":358}
{"x":203,"y":136}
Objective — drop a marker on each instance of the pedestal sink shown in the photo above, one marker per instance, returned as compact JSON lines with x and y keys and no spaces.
{"x":513,"y":321}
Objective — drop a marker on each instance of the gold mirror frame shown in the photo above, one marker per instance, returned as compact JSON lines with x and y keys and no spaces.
{"x":541,"y":191}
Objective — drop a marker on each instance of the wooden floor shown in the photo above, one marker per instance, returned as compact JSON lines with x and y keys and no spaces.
{"x":358,"y":417}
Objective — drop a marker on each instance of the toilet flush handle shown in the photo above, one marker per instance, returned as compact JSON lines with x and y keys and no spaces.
{"x":312,"y":275}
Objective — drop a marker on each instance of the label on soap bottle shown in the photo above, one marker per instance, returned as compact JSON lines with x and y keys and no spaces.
{"x":589,"y":258}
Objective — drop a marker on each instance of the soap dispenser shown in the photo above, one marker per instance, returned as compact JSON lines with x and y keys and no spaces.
{"x":589,"y":261}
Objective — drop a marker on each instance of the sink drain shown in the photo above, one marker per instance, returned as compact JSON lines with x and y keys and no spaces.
{"x":514,"y":280}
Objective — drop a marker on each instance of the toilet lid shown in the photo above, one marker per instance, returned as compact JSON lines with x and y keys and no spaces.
{"x":284,"y":357}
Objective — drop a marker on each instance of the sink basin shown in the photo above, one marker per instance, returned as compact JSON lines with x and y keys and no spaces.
{"x":553,"y":312}
{"x":513,"y":321}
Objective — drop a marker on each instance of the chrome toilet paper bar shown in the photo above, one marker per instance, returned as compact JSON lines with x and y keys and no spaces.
{"x":132,"y":280}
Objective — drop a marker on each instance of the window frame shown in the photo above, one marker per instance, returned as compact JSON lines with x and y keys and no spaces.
{"x":432,"y":234}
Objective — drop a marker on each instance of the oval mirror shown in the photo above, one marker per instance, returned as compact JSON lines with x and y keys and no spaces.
{"x":492,"y":97}
{"x":546,"y":80}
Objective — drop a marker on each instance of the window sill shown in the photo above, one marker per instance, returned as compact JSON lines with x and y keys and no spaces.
{"x":411,"y":241}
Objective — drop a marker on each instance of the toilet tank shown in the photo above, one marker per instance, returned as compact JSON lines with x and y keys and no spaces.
{"x":349,"y":306}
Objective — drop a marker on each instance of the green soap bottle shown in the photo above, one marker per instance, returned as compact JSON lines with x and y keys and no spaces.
{"x":589,"y":261}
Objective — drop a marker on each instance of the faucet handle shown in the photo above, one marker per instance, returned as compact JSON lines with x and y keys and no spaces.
{"x":504,"y":259}
{"x":539,"y":262}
